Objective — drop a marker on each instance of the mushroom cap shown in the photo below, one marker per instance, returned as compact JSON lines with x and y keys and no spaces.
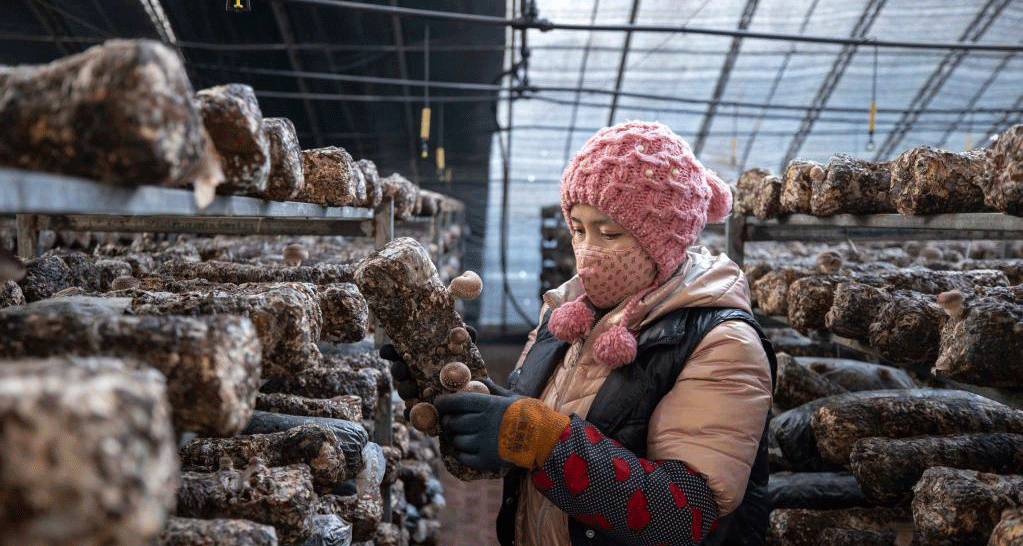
{"x":952,"y":302}
{"x":817,"y":172}
{"x":829,"y":261}
{"x":424,"y":417}
{"x":476,"y":386}
{"x":295,"y":253}
{"x":124,"y":282}
{"x":454,"y":375}
{"x":11,"y":268}
{"x":932,"y":254}
{"x":466,"y":286}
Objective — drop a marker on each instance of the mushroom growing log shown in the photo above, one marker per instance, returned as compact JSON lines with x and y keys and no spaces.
{"x":404,"y":193}
{"x":10,"y":294}
{"x":212,"y":364}
{"x":88,"y":273}
{"x":1013,"y":268}
{"x":907,"y":329}
{"x":982,"y":342}
{"x":837,"y":426}
{"x":287,"y":178}
{"x":853,"y":308}
{"x":330,"y":178}
{"x":953,"y":507}
{"x":926,"y":180}
{"x":888,"y":468}
{"x":1009,"y":531}
{"x":282,"y":497}
{"x":287,"y":318}
{"x":766,"y":200}
{"x":809,"y":300}
{"x":234,"y":123}
{"x":797,"y":384}
{"x":87,"y":452}
{"x":772,"y":289}
{"x":209,"y":532}
{"x":337,"y":380}
{"x":799,"y":527}
{"x":119,"y":113}
{"x":374,"y":191}
{"x":364,"y":512}
{"x":814,"y":490}
{"x":405,"y":293}
{"x":1003,"y":182}
{"x":312,"y":444}
{"x":347,"y":407}
{"x":758,"y":193}
{"x":800,"y":177}
{"x":852,"y":186}
{"x":235,"y":273}
{"x":795,"y":435}
{"x":855,"y":537}
{"x":854,"y":375}
{"x":352,"y":436}
{"x":345,"y":313}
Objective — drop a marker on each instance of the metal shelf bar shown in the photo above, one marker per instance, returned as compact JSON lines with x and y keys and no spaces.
{"x":30,"y":192}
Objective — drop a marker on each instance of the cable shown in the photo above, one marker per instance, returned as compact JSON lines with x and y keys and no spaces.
{"x":559,"y":89}
{"x":390,"y":48}
{"x":544,"y":25}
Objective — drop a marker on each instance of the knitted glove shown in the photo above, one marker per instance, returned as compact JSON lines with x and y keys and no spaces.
{"x":488,"y":431}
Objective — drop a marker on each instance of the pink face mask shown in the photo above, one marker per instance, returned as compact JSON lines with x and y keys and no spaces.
{"x":610,"y":276}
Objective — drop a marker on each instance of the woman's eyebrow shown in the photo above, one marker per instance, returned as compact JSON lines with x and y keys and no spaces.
{"x":599,"y":221}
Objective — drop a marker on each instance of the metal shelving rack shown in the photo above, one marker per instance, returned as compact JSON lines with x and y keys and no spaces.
{"x":740,"y":230}
{"x":49,"y":201}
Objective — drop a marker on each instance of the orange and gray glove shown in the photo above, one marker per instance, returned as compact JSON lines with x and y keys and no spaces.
{"x":489,"y":431}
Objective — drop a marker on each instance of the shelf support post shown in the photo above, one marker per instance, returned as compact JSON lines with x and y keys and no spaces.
{"x":28,"y":236}
{"x":735,"y":238}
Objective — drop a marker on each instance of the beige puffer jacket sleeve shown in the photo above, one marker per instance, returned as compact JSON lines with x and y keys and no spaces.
{"x":713,"y":417}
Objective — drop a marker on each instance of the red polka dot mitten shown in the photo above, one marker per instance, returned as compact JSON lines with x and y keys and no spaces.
{"x":612,"y":491}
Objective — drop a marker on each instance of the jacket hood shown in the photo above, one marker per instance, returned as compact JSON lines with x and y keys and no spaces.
{"x":703,"y":280}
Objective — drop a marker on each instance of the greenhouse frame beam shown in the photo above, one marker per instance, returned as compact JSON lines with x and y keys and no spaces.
{"x":398,"y":31}
{"x":284,"y":27}
{"x":621,"y":64}
{"x":726,"y":72}
{"x":774,"y":89}
{"x":930,"y":89}
{"x":831,"y":80}
{"x":995,"y":72}
{"x":545,"y":25}
{"x":579,"y":84}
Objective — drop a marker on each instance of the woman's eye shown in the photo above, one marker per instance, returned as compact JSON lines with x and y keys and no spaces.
{"x":610,"y":236}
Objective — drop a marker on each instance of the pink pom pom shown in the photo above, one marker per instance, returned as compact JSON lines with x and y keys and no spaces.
{"x":571,"y":321}
{"x":615,"y":347}
{"x":720,"y":198}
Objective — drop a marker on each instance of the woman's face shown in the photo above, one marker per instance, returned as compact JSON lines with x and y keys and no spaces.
{"x":590,"y":226}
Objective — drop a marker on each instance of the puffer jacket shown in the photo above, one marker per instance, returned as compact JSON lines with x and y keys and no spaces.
{"x":712,"y":418}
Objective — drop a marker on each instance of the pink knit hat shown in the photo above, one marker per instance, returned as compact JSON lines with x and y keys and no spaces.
{"x":646,"y":178}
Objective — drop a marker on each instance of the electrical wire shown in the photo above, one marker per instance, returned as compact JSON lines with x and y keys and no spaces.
{"x":544,"y":25}
{"x":588,"y":90}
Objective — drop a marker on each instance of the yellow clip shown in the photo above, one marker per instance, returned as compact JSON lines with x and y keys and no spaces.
{"x":424,"y":124}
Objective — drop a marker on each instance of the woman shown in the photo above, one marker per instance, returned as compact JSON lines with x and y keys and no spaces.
{"x":638,"y":407}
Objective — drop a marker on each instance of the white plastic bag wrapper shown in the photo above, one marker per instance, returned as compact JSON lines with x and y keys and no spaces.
{"x":328,"y":530}
{"x":373,"y":466}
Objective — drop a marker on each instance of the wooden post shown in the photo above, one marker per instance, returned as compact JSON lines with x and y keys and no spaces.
{"x":735,"y":237}
{"x":28,"y":236}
